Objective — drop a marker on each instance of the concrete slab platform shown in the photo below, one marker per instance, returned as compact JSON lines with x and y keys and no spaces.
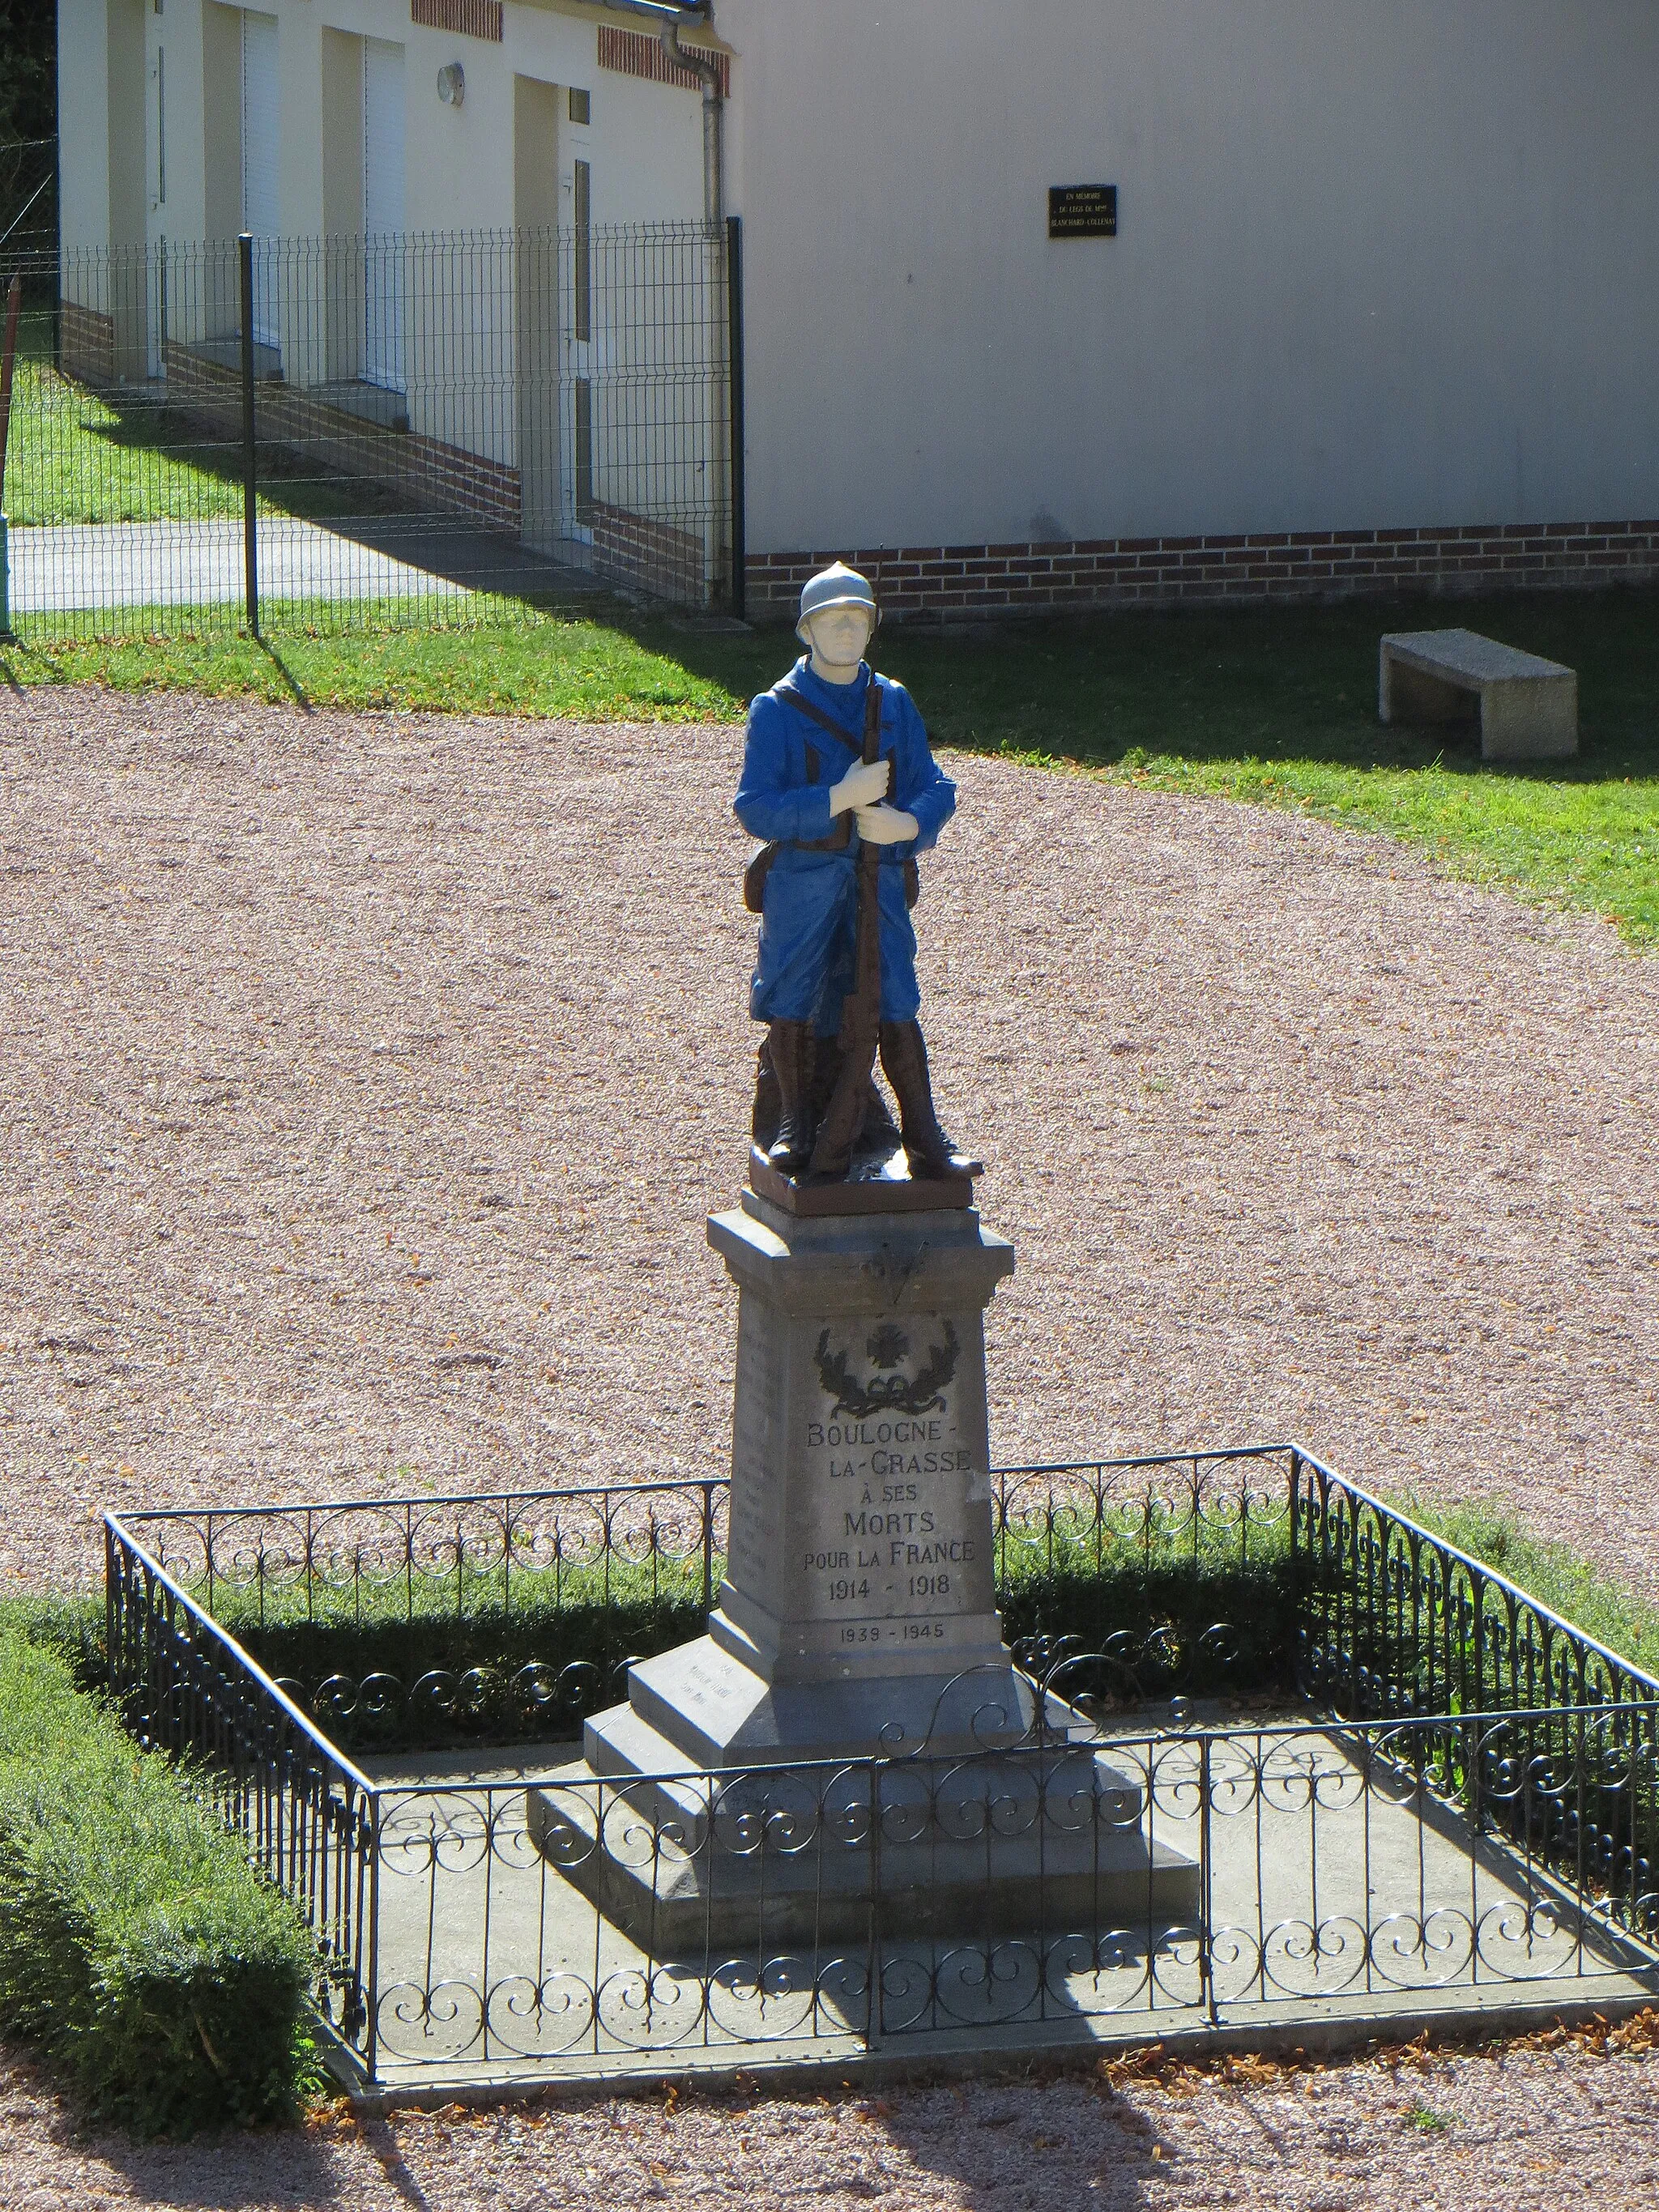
{"x":1335,"y":1893}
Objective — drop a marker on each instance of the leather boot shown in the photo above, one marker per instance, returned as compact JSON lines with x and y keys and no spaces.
{"x":904,"y":1063}
{"x":764,"y":1114}
{"x":880,"y":1133}
{"x":791,"y":1046}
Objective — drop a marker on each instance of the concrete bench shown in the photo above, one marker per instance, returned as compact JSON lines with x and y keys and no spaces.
{"x":1528,"y":708}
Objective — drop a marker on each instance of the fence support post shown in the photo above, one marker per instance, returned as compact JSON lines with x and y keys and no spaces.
{"x":734,"y":371}
{"x":1206,"y":1885}
{"x":249,"y":482}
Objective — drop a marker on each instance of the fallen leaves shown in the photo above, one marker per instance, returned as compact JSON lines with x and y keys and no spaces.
{"x":1185,"y":2074}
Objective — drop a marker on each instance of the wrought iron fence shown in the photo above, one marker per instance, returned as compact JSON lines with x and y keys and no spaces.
{"x":483,"y":1915}
{"x":411,"y":1621}
{"x":307,"y":1816}
{"x":318,"y":435}
{"x":1394,"y":1620}
{"x":1148,"y":1880}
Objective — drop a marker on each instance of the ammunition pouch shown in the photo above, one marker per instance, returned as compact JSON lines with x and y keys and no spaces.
{"x":761,"y":860}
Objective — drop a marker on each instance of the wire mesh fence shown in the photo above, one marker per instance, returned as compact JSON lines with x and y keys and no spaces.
{"x":324,"y":435}
{"x":28,"y":208}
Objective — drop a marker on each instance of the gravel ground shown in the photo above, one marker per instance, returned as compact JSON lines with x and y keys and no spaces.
{"x":368,"y":1079}
{"x":1465,"y":2134}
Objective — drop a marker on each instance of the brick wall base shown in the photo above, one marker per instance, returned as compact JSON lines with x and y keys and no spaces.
{"x":87,"y":343}
{"x":425,"y":472}
{"x":634,"y":550}
{"x":959,"y":582}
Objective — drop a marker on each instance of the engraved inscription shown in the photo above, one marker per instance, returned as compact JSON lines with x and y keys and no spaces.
{"x":898,"y":1525}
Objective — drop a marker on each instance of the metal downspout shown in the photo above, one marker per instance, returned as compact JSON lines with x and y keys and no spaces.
{"x":717,"y":548}
{"x":707,"y":74}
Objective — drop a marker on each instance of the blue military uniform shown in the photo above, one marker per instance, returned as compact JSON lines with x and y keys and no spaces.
{"x":791,"y":762}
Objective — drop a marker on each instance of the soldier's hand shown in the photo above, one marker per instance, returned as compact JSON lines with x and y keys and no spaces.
{"x":884,"y":825}
{"x":861,"y":787}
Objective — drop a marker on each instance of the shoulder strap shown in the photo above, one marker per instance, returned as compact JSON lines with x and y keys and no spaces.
{"x":787,"y":691}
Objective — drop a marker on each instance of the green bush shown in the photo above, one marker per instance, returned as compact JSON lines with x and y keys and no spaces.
{"x":138,"y":1947}
{"x":72,"y":1626}
{"x":1202,"y":1610}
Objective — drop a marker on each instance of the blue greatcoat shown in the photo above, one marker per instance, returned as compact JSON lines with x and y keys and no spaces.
{"x":804,"y":967}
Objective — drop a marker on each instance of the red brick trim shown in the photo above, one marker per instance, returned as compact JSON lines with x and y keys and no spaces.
{"x":432,"y":473}
{"x":85,"y":344}
{"x":636,"y":54}
{"x":473,"y":19}
{"x":651,"y":557}
{"x":929,"y":582}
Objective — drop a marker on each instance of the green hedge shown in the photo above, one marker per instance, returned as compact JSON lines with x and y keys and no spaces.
{"x":139,"y":1948}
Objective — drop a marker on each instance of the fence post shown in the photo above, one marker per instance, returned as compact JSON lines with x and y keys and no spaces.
{"x":1206,"y":1884}
{"x":734,"y":371}
{"x":250,"y":485}
{"x":372,"y":1994}
{"x":874,"y":1773}
{"x":708,"y":1546}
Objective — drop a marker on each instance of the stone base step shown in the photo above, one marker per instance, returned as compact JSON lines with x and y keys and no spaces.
{"x":1022,"y":1841}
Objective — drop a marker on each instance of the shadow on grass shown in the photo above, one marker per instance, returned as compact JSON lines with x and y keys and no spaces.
{"x":138,"y":427}
{"x":295,"y":689}
{"x":1275,"y":684}
{"x":105,"y":460}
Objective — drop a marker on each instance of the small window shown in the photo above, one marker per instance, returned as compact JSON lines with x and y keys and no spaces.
{"x":579,"y":107}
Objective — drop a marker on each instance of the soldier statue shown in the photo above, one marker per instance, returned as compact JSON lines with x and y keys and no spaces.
{"x":839,"y":784}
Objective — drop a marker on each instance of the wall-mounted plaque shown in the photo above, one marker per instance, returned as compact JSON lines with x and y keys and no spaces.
{"x":1082,"y":210}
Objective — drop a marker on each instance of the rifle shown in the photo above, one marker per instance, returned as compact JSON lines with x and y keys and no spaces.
{"x":860,"y":1010}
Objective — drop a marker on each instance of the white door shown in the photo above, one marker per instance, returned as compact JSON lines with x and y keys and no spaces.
{"x":383,"y":213}
{"x":261,"y":162}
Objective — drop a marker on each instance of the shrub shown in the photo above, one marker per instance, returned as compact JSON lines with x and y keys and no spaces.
{"x":138,"y":1947}
{"x":73,"y":1626}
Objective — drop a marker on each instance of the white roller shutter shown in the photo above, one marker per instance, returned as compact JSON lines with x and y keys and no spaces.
{"x":383,"y":213}
{"x":261,"y":138}
{"x":261,"y":160}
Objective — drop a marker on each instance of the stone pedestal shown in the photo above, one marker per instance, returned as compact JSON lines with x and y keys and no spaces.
{"x":857,"y":1623}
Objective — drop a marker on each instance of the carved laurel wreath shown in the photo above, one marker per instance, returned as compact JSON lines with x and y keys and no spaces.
{"x":889,"y":1394}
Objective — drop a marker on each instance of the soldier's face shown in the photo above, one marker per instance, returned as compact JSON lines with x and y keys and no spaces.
{"x":839,"y":635}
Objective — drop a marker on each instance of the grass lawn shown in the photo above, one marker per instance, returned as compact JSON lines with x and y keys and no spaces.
{"x":1272,"y":706}
{"x":76,"y":457}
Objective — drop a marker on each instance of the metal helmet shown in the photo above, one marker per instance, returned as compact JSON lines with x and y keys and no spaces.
{"x":838,"y":586}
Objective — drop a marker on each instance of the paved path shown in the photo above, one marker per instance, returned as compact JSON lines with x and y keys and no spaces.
{"x":61,"y":568}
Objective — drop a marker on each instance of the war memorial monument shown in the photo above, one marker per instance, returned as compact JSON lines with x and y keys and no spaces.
{"x":857,"y":1620}
{"x":847,"y":1818}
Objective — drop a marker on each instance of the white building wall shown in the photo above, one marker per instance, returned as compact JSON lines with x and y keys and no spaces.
{"x":1388,"y":264}
{"x":84,"y":122}
{"x":646,"y":139}
{"x":1377,"y":264}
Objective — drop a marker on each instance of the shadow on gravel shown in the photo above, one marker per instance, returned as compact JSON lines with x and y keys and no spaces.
{"x":43,"y":2122}
{"x":1042,"y":2143}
